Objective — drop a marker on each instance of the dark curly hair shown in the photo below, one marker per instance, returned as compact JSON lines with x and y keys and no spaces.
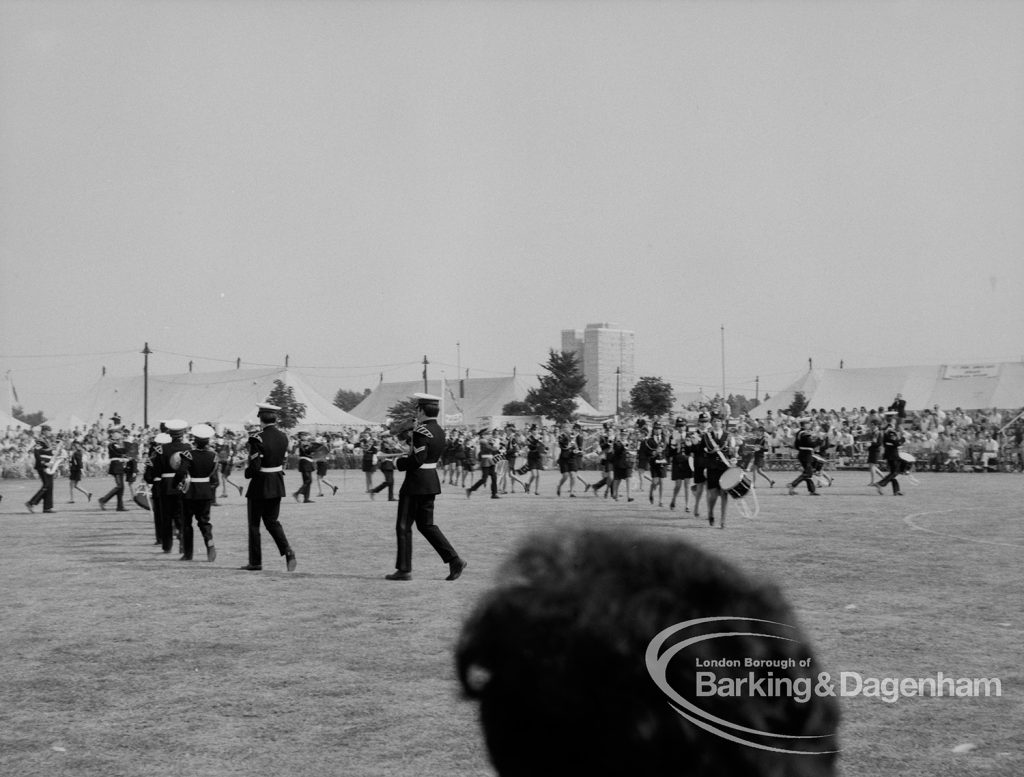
{"x":555,"y":657}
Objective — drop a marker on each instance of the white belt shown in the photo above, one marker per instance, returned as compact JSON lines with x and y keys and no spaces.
{"x":430,"y":465}
{"x":168,"y":475}
{"x":271,"y":469}
{"x":200,"y":480}
{"x":304,"y":458}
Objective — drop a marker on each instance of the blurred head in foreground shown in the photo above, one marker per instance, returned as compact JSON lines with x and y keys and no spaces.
{"x":570,"y":658}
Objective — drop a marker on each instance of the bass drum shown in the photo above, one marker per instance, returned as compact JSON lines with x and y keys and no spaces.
{"x":735,"y":482}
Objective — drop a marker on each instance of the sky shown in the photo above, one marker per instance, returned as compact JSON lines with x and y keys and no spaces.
{"x":356,"y":185}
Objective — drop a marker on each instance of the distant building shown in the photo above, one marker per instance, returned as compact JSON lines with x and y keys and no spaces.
{"x":605,"y":352}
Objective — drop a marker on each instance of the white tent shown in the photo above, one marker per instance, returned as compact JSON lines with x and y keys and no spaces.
{"x":227,"y":398}
{"x":968,"y":386}
{"x":9,"y":422}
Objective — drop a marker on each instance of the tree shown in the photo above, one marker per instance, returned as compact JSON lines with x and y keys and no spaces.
{"x":403,"y":412}
{"x":556,"y":396}
{"x":292,"y":411}
{"x":741,"y":405}
{"x":798,"y":405}
{"x":32,"y":419}
{"x":651,"y":397}
{"x":347,"y":400}
{"x":517,"y":407}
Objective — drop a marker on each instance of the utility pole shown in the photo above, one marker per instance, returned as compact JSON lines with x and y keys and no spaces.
{"x":723,"y":363}
{"x":425,"y":363}
{"x":145,"y":384}
{"x":618,"y":377}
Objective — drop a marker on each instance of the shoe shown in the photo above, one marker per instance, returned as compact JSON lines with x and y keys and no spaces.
{"x":239,"y":490}
{"x":31,"y":507}
{"x":296,"y":496}
{"x":88,"y":497}
{"x":469,"y":492}
{"x":392,"y":499}
{"x":572,"y":496}
{"x":898,"y":493}
{"x":686,"y":509}
{"x":558,"y":491}
{"x":211,"y":554}
{"x":671,"y":505}
{"x":456,"y":567}
{"x":650,"y":498}
{"x":771,"y":484}
{"x":71,"y":501}
{"x":335,"y":491}
{"x":158,"y":543}
{"x":252,"y":567}
{"x":290,"y":561}
{"x":711,"y":520}
{"x":792,"y":491}
{"x":878,"y":488}
{"x":815,"y":493}
{"x":320,"y":495}
{"x":586,"y":487}
{"x":630,"y":499}
{"x":51,"y":510}
{"x":399,"y":576}
{"x":495,"y":496}
{"x":373,"y":495}
{"x":308,"y":501}
{"x":121,"y":510}
{"x":185,"y":558}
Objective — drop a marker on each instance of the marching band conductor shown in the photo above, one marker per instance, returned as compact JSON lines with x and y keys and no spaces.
{"x":421,"y":485}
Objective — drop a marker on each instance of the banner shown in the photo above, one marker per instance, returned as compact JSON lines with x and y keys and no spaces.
{"x":970,"y":371}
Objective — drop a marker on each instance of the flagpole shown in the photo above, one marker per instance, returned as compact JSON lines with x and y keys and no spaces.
{"x":444,"y":390}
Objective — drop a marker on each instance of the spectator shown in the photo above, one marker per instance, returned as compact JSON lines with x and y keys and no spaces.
{"x":555,"y":657}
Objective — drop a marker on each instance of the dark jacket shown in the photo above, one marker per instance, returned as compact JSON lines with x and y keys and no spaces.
{"x":420,"y":464}
{"x":268,"y":449}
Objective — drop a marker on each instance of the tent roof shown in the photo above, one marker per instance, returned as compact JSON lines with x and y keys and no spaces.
{"x":227,"y":397}
{"x":7,"y":421}
{"x":484,"y":398}
{"x":971,"y":387}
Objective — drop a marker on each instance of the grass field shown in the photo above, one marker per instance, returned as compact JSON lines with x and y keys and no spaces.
{"x":117,"y":659}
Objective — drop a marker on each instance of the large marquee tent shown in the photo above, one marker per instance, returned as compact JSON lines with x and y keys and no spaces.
{"x":967,"y":386}
{"x":474,"y":401}
{"x":227,"y":398}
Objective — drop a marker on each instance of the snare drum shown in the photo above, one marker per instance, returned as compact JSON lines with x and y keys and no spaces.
{"x":906,"y":457}
{"x":735,"y":482}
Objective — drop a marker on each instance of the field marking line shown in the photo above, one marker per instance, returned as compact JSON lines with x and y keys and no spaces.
{"x":910,"y":522}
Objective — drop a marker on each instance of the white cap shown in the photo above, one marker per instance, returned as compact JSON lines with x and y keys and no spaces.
{"x":203,"y":431}
{"x":162,"y":439}
{"x":176,"y":425}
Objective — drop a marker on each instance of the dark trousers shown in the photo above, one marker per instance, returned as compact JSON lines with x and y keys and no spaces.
{"x":117,"y":490}
{"x":486,"y":472}
{"x":266,"y":510}
{"x":419,"y":509}
{"x":170,"y":518}
{"x":893,"y":463}
{"x":389,"y":484}
{"x":307,"y":484}
{"x":154,"y":506}
{"x":45,"y":492}
{"x":806,"y":459}
{"x":200,"y":510}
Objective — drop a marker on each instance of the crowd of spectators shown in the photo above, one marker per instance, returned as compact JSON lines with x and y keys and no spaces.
{"x":941,"y":440}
